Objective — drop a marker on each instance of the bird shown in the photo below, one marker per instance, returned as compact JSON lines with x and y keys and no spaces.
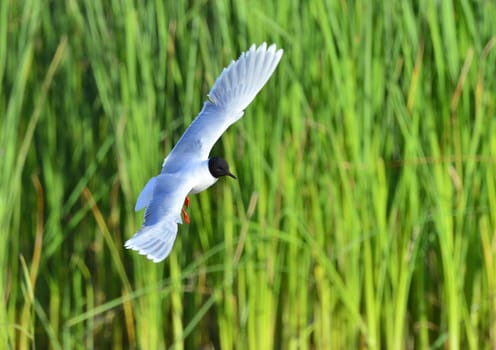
{"x":188,"y":169}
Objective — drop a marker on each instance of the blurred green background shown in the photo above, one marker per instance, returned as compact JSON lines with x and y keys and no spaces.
{"x":364,"y":216}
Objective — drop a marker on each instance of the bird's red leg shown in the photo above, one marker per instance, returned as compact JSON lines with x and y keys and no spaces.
{"x":185,"y":216}
{"x":183,"y":211}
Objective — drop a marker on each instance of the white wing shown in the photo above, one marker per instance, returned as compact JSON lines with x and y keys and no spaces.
{"x":232,"y":92}
{"x":146,"y":194}
{"x":158,"y":233}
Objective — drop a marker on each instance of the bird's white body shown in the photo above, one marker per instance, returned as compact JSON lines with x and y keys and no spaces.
{"x":197,"y":173}
{"x":186,"y":169}
{"x":203,"y":179}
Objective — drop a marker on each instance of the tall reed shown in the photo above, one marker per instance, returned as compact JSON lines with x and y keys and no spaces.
{"x":364,"y":213}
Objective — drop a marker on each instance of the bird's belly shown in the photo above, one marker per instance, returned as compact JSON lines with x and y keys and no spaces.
{"x":203,"y":185}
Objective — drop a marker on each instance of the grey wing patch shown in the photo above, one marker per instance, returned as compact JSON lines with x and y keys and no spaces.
{"x":186,"y":149}
{"x":197,"y":144}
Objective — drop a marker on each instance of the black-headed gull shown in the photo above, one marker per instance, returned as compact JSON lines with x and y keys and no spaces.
{"x":188,"y":169}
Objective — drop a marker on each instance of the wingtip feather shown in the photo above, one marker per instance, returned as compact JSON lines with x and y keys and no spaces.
{"x":253,"y":67}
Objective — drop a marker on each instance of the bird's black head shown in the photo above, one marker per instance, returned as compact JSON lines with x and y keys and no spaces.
{"x":218,"y":167}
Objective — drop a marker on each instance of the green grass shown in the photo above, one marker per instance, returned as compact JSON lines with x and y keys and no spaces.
{"x":364,"y":216}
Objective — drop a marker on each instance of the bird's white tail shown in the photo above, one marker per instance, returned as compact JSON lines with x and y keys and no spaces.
{"x":155,"y":241}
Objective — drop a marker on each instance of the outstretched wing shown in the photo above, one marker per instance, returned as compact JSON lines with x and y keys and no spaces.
{"x":232,"y":92}
{"x":163,"y":212}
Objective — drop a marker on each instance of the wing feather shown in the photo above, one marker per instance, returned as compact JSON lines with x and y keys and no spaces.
{"x":146,"y":195}
{"x":156,"y":237}
{"x":232,"y":92}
